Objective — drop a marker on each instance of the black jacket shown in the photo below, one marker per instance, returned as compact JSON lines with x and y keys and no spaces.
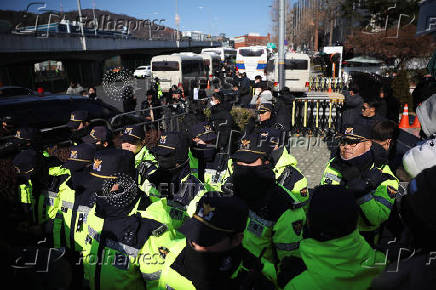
{"x":222,"y":122}
{"x":351,"y":110}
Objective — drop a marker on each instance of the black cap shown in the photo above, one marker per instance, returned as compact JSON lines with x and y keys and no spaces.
{"x":76,"y":118}
{"x":265,"y":108}
{"x":172,"y":143}
{"x":332,"y":213}
{"x":98,"y":133}
{"x":149,"y":92}
{"x":215,"y":218}
{"x":25,"y":162}
{"x":357,"y":131}
{"x":133,"y":134}
{"x":27,"y":134}
{"x":219,"y":96}
{"x":80,"y":156}
{"x":252,"y":147}
{"x":204,"y":131}
{"x":110,"y":161}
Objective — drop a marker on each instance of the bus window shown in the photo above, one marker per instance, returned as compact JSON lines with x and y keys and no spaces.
{"x":296,"y":64}
{"x":251,"y":52}
{"x":165,"y":66}
{"x":192,"y":68}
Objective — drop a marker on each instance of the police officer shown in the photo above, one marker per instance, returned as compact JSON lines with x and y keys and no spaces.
{"x":173,"y":180}
{"x":276,"y":218}
{"x":32,"y":184}
{"x":374,"y":188}
{"x":287,"y":175}
{"x":334,"y":254}
{"x":211,"y":256}
{"x":203,"y":148}
{"x":132,"y":139}
{"x":79,"y":125}
{"x":126,"y":244}
{"x":100,"y":136}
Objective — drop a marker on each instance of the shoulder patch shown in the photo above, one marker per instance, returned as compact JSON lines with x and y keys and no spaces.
{"x":303,"y":192}
{"x":298,"y":227}
{"x":159,"y":231}
{"x":163,"y":252}
{"x":392,"y":192}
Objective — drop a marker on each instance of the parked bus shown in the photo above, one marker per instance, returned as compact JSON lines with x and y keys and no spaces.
{"x":212,"y":62}
{"x":297,"y":72}
{"x":180,"y":68}
{"x":252,"y":60}
{"x":225,"y":53}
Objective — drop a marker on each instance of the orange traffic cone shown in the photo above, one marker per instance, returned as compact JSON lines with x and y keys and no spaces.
{"x":208,"y":84}
{"x":416,"y":123}
{"x":404,"y":122}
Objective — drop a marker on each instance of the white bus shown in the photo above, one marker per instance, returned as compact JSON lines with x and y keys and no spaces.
{"x":186,"y":69}
{"x":225,"y":53}
{"x":212,"y":63}
{"x":252,"y":60}
{"x":297,"y":72}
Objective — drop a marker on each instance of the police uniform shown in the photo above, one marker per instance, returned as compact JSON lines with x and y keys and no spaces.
{"x":378,"y":189}
{"x":122,"y":248}
{"x":215,"y":218}
{"x":175,"y":186}
{"x":276,"y":218}
{"x":145,"y":162}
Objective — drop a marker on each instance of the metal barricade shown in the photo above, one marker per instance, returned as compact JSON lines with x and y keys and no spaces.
{"x":316,"y":114}
{"x":326,"y":84}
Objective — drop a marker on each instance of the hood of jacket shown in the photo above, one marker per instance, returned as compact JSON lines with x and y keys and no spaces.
{"x":353,"y":101}
{"x":346,"y":259}
{"x":426,"y":113}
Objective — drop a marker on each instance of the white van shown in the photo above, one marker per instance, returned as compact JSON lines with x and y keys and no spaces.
{"x":180,"y":68}
{"x":252,"y":60}
{"x":297,"y":72}
{"x":225,"y":53}
{"x":212,"y":62}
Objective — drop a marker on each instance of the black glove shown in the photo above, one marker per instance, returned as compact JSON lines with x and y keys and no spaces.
{"x":358,"y":186}
{"x":374,"y":177}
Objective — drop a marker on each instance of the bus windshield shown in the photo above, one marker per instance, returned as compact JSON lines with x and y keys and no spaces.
{"x":165,"y":66}
{"x":246,"y":52}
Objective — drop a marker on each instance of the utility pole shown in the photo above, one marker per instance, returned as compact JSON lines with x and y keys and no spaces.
{"x":281,"y":43}
{"x":79,"y":9}
{"x":177,"y":20}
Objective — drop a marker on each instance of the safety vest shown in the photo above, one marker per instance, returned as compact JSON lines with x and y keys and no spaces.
{"x":277,"y":235}
{"x":193,"y":163}
{"x":112,"y":264}
{"x":144,"y":158}
{"x":344,"y":263}
{"x":290,"y":177}
{"x":170,"y":279}
{"x":159,"y":91}
{"x":25,"y":193}
{"x":376,"y":205}
{"x":190,"y":192}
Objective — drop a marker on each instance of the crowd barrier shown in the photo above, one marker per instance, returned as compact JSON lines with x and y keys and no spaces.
{"x":326,"y":84}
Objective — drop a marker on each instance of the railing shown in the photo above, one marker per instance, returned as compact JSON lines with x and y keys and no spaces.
{"x":316,"y":115}
{"x":325,"y":84}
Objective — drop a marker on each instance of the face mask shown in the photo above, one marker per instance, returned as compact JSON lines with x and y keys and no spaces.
{"x":77,"y":135}
{"x":212,"y":103}
{"x":203,"y":152}
{"x":251,"y":183}
{"x":92,"y":95}
{"x":361,"y":161}
{"x":167,"y":162}
{"x":257,"y":91}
